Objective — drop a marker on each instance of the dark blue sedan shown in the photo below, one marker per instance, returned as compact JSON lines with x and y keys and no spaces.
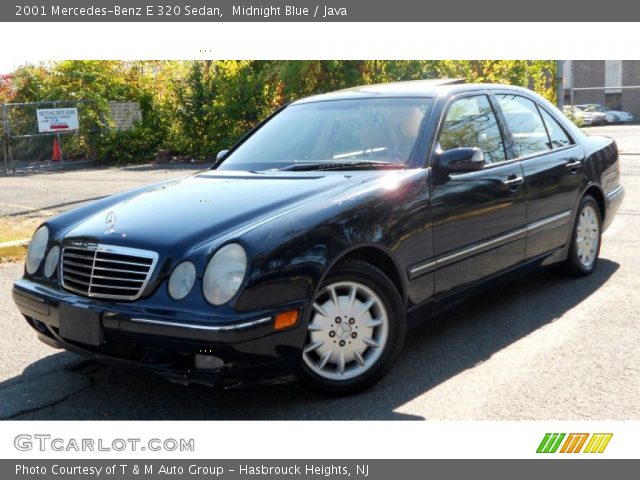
{"x":310,"y":246}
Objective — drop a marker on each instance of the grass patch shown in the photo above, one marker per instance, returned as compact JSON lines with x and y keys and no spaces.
{"x":12,"y":229}
{"x":17,"y":228}
{"x":13,"y":254}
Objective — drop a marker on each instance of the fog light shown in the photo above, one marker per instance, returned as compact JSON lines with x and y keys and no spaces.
{"x":286,"y":319}
{"x":207,"y":362}
{"x":38,"y":325}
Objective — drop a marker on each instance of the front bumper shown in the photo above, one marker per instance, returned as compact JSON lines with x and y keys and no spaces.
{"x":250,"y":350}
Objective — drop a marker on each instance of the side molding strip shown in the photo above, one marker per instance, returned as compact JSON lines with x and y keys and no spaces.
{"x":545,"y":224}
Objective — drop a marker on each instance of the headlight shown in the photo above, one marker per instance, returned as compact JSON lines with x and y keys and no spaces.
{"x":51,"y":262}
{"x":36,"y":250}
{"x":224,"y":274}
{"x":182,"y":280}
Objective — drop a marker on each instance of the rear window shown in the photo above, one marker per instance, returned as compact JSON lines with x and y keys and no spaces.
{"x":529,"y":134}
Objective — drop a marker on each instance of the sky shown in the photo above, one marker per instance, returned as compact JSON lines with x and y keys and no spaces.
{"x":8,"y":65}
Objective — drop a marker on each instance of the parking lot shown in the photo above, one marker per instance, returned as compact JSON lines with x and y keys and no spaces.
{"x":539,"y":348}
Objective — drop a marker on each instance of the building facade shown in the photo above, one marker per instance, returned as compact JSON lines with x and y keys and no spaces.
{"x":612,"y":83}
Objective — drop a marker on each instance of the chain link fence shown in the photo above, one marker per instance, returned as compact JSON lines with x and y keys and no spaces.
{"x":24,"y":146}
{"x":5,"y":166}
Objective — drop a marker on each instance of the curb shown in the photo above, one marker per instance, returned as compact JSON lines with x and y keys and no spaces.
{"x":15,"y":243}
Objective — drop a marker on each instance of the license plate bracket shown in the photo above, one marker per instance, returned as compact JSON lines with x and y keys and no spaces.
{"x":80,"y":325}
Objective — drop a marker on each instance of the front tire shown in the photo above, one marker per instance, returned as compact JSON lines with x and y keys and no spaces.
{"x":355,"y":333}
{"x":585,"y":239}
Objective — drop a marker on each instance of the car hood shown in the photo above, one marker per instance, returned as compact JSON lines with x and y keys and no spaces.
{"x":193,"y":211}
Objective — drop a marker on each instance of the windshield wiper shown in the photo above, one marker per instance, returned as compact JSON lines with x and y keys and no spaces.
{"x":306,"y":166}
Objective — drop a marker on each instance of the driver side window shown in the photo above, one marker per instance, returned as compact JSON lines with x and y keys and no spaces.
{"x":471,"y":122}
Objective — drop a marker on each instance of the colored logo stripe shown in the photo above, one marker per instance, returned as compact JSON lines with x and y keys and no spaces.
{"x":575,"y":441}
{"x":598,"y":442}
{"x":550,"y":443}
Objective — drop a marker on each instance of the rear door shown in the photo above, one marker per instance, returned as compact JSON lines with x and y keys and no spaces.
{"x":478,"y":217}
{"x":552,"y":164}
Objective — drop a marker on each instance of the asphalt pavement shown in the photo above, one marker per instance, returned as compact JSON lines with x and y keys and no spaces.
{"x":542,"y":347}
{"x":626,"y":136}
{"x":45,"y":193}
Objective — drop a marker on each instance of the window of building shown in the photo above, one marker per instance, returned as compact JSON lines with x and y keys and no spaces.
{"x":613,"y":101}
{"x":612,"y":76}
{"x":567,"y":74}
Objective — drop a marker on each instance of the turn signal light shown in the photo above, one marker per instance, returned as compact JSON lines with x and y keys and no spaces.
{"x":286,"y":319}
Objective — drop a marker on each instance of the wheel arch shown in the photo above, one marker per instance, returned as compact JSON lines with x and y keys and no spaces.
{"x":596,"y":192}
{"x":377,"y":256}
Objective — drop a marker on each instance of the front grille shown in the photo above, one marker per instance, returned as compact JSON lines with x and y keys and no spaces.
{"x":106,"y":271}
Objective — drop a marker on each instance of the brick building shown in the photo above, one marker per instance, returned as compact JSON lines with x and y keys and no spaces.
{"x":613,"y":83}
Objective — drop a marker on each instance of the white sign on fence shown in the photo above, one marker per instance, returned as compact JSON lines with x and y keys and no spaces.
{"x":57,"y":119}
{"x":125,"y":114}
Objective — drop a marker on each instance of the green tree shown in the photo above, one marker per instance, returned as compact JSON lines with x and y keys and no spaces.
{"x":195,"y":108}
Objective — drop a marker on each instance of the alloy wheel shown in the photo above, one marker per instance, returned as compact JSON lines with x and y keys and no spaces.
{"x":348,"y":331}
{"x":587,"y":236}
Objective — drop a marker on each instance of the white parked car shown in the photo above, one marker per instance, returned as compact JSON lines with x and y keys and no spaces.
{"x":613,"y":116}
{"x":588,"y":118}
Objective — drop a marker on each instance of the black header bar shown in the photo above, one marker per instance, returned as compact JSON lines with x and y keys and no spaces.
{"x":324,"y":11}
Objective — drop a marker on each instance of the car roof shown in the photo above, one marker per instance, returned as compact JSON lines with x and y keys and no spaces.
{"x":412,"y":88}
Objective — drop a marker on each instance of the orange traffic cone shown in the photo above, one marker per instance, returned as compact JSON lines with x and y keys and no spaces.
{"x":55,"y":157}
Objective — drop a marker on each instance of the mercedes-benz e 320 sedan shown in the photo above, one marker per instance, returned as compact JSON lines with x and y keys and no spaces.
{"x":313,"y":242}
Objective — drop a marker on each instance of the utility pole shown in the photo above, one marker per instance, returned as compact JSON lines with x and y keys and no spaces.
{"x":560,"y":84}
{"x":573,"y":81}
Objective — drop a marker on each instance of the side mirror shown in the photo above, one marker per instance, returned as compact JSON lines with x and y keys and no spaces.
{"x":221,"y":154}
{"x":465,"y":159}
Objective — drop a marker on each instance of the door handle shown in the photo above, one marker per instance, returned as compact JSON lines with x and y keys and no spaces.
{"x":513,"y":181}
{"x":573,"y":163}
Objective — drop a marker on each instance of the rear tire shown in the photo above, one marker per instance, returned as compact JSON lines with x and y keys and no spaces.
{"x":355,"y":333}
{"x":586,"y":237}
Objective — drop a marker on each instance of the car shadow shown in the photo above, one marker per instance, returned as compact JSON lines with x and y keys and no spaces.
{"x":456,"y":341}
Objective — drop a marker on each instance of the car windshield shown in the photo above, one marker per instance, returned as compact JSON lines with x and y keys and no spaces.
{"x":334,"y":134}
